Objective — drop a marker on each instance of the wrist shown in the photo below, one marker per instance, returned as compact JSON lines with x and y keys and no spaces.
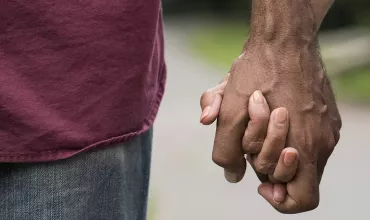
{"x":283,"y":22}
{"x":293,"y":63}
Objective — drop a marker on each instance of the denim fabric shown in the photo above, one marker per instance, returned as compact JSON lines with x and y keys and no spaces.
{"x":110,"y":183}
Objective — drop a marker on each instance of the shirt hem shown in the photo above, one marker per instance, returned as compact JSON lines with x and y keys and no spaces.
{"x":49,"y":156}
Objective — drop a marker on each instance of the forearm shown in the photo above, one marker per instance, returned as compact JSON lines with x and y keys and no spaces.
{"x":284,"y":35}
{"x":284,"y":23}
{"x":287,"y":19}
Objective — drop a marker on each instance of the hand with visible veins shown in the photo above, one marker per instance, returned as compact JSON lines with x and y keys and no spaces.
{"x":282,"y":61}
{"x":276,"y":125}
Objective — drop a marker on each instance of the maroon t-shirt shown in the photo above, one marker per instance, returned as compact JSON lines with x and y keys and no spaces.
{"x":76,"y":75}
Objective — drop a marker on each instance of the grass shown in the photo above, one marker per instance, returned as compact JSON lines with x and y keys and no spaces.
{"x":221,"y":44}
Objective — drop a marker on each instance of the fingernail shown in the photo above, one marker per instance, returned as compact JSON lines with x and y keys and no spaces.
{"x":290,"y":158}
{"x":280,"y":116}
{"x":231,"y":177}
{"x":205,"y":113}
{"x":258,"y":97}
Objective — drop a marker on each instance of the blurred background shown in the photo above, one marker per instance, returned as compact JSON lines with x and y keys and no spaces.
{"x":203,"y":37}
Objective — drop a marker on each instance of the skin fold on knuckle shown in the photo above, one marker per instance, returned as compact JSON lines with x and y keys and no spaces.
{"x":252,"y":147}
{"x":265,"y":166}
{"x":253,"y":138}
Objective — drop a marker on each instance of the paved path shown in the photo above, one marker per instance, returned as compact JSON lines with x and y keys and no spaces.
{"x":188,"y":186}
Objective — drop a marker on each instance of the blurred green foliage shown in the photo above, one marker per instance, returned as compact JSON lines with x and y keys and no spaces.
{"x":220,"y":44}
{"x":343,"y":13}
{"x":354,"y":85}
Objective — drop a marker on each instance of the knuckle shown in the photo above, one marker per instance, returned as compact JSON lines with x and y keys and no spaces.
{"x":330,"y":140}
{"x":332,"y":143}
{"x":222,"y":161}
{"x":338,"y":121}
{"x":277,"y":136}
{"x":310,"y":204}
{"x":252,"y":147}
{"x":313,"y":206}
{"x":336,"y":137}
{"x":300,"y":206}
{"x":274,"y":180}
{"x":339,"y":124}
{"x":265,"y":166}
{"x":282,"y":177}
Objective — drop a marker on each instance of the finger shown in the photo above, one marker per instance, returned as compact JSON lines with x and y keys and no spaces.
{"x":287,"y":165}
{"x":259,"y":113}
{"x":273,"y":192}
{"x":274,"y":143}
{"x":210,"y":113}
{"x":210,"y":102}
{"x":236,"y":174}
{"x":262,"y":177}
{"x":275,"y":198}
{"x":302,"y":192}
{"x":231,"y":125}
{"x":279,"y":193}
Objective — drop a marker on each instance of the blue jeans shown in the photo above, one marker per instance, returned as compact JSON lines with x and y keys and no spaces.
{"x":110,"y":183}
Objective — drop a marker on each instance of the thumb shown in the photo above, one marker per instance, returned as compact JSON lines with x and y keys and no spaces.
{"x":210,"y":102}
{"x":302,"y":192}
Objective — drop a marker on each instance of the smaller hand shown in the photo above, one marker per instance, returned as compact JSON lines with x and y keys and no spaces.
{"x":264,"y":139}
